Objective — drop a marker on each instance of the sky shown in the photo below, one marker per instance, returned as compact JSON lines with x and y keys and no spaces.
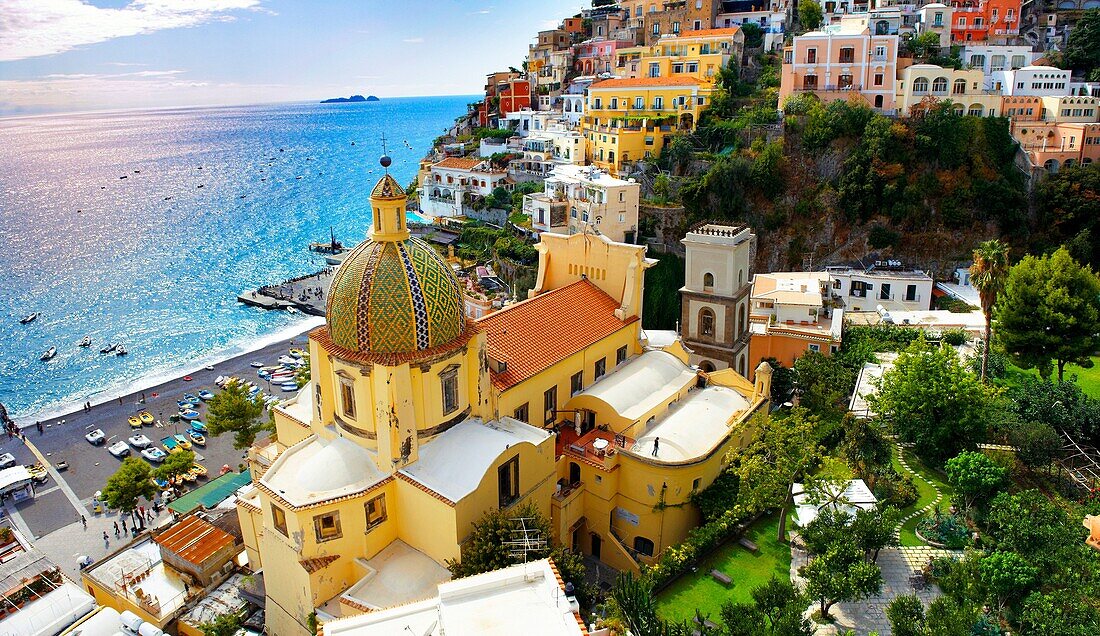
{"x":81,"y":55}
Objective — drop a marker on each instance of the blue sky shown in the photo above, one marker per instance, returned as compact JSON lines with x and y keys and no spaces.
{"x":75,"y":55}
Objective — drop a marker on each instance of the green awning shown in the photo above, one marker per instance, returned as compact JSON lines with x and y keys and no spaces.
{"x":211,"y":494}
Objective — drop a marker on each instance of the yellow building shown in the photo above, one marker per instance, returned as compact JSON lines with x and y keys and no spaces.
{"x":628,"y":119}
{"x":695,"y":54}
{"x":417,"y":421}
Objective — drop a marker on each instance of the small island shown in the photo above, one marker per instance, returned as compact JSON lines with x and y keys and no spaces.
{"x":348,"y":100}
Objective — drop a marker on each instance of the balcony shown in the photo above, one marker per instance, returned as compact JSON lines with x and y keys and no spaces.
{"x":830,"y":88}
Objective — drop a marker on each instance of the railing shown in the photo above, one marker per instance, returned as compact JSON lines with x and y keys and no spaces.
{"x":829,"y":88}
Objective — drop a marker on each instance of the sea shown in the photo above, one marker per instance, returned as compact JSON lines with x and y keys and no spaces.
{"x":141,"y":227}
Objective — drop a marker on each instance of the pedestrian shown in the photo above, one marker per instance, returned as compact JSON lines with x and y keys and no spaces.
{"x":143,"y":397}
{"x":105,"y":538}
{"x":38,"y":425}
{"x":656,"y":445}
{"x":141,"y":510}
{"x":124,"y":525}
{"x":116,"y":531}
{"x":120,"y":399}
{"x":84,"y":522}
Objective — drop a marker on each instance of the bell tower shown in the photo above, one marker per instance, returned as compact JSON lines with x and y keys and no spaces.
{"x":387,"y":202}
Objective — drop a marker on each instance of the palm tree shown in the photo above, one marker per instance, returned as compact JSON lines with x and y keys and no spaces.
{"x":987,"y":275}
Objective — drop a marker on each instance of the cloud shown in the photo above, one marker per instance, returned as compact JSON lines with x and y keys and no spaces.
{"x":107,"y":76}
{"x":413,"y":40}
{"x":34,"y":28}
{"x":482,"y":12}
{"x":125,"y":64}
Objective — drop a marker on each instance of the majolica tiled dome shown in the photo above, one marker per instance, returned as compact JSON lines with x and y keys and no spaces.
{"x":394,"y":297}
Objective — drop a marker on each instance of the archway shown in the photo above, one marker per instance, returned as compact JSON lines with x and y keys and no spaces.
{"x":687,"y":120}
{"x":707,"y":366}
{"x":706,"y":322}
{"x":574,"y":474}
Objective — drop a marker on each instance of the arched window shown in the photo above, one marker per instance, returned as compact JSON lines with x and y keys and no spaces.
{"x":741,"y":321}
{"x":939,"y":85}
{"x":975,"y":110}
{"x":706,"y":322}
{"x":643,"y":545}
{"x":920,"y":85}
{"x":708,"y":281}
{"x":740,"y":277}
{"x":706,"y":365}
{"x":959,"y":87}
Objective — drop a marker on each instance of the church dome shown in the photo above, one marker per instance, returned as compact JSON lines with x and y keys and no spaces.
{"x":394,"y":297}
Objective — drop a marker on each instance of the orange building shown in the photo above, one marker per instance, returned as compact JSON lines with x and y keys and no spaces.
{"x":978,"y":20}
{"x":790,"y":314}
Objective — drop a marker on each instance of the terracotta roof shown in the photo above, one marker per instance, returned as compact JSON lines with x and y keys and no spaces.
{"x":532,"y":335}
{"x":639,"y":82}
{"x":316,"y":563}
{"x":194,"y":539}
{"x":459,"y":163}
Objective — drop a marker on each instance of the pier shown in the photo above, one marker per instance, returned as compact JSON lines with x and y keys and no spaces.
{"x":307,"y":294}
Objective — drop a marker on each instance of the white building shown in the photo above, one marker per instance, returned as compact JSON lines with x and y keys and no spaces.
{"x":526,"y":121}
{"x":936,"y":17}
{"x":771,"y":18}
{"x":993,"y":59}
{"x":528,"y":599}
{"x":1034,"y":81}
{"x":590,"y":200}
{"x":544,"y":150}
{"x":886,"y":283}
{"x":450,"y":184}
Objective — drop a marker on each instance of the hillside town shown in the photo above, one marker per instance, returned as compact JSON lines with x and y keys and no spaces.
{"x":663,"y":354}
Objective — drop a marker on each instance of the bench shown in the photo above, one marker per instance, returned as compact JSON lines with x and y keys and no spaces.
{"x":748,"y":545}
{"x":721,"y":577}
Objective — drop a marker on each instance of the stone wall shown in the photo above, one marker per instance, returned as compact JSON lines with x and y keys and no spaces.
{"x":669,"y":223}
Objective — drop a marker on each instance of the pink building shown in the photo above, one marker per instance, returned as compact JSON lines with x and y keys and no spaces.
{"x":596,"y":56}
{"x":841,"y":61}
{"x":1053,"y":145}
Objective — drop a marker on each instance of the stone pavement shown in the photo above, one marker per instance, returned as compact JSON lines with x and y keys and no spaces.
{"x":869,"y":615}
{"x":67,"y":544}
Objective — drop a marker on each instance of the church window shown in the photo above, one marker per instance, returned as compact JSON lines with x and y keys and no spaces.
{"x":576,"y":383}
{"x":643,"y":545}
{"x":508,"y":482}
{"x":521,"y":413}
{"x":708,"y":281}
{"x":376,"y":511}
{"x":347,"y":396}
{"x":601,"y":368}
{"x":278,"y":518}
{"x":550,"y":403}
{"x":449,"y":380}
{"x":620,"y":355}
{"x":327,"y":526}
{"x":706,"y":322}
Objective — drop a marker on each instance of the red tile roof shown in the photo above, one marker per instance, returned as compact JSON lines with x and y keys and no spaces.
{"x":639,"y":82}
{"x":194,"y":539}
{"x":532,"y":335}
{"x":317,"y":563}
{"x":458,"y":163}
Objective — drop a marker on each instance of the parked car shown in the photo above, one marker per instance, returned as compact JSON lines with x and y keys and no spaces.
{"x":96,"y":437}
{"x":119,"y":449}
{"x":7,"y":460}
{"x":140,"y":441}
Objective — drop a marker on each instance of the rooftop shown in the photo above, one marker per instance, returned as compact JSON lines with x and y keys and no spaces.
{"x":194,"y":539}
{"x":316,"y":470}
{"x":702,"y":33}
{"x":572,"y":173}
{"x":397,"y":575}
{"x":49,"y":614}
{"x":455,"y":462}
{"x":521,"y":336}
{"x":855,"y":496}
{"x":641,"y":383}
{"x":694,"y":426}
{"x":459,"y":163}
{"x":224,"y":599}
{"x":522,"y":599}
{"x":138,"y":574}
{"x":212,"y":493}
{"x":865,"y":383}
{"x":792,"y":288}
{"x":876,"y":271}
{"x":644,"y":82}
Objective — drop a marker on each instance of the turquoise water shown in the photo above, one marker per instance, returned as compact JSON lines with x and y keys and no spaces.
{"x":153,"y":260}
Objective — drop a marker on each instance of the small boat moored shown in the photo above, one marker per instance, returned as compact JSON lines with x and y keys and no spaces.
{"x":189,"y":415}
{"x":85,"y":342}
{"x":109,"y":347}
{"x":134,"y":421}
{"x":49,"y":354}
{"x":121,"y":351}
{"x":146,"y":418}
{"x":29,"y":318}
{"x":256,"y":364}
{"x":205,"y":395}
{"x":196,"y":437}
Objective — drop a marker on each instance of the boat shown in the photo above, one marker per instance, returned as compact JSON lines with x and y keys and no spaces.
{"x":121,"y":351}
{"x":29,"y":318}
{"x":205,"y":395}
{"x":182,"y":440}
{"x":190,"y":397}
{"x":331,"y":247}
{"x":134,"y":421}
{"x":292,"y":310}
{"x":189,"y":415}
{"x":257,"y":365}
{"x":297,"y":353}
{"x":50,"y":353}
{"x":196,"y":437}
{"x":189,"y":476}
{"x":185,"y":406}
{"x":209,"y":367}
{"x":199,"y":470}
{"x":109,"y":348}
{"x":85,"y":342}
{"x":161,"y":483}
{"x":289,"y":387}
{"x":38,"y":472}
{"x":197,"y":425}
{"x":146,"y":418}
{"x":170,"y":444}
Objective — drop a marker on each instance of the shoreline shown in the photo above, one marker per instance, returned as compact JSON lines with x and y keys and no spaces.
{"x":164,"y":380}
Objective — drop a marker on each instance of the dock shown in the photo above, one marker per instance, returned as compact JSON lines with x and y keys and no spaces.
{"x":307,"y":294}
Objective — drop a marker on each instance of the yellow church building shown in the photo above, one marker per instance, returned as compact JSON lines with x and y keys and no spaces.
{"x":418,"y":420}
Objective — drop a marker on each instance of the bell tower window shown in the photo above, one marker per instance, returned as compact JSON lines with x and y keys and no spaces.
{"x":347,"y":397}
{"x":449,"y":381}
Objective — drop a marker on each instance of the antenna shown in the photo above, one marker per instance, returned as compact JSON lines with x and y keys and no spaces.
{"x":524,"y":540}
{"x":385,"y":159}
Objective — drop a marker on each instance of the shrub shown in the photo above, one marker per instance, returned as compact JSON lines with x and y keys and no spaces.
{"x":894,"y":489}
{"x":948,"y":529}
{"x":677,"y":559}
{"x":955,"y":337}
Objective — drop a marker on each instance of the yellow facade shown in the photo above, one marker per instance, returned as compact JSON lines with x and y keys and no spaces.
{"x":628,"y":120}
{"x":411,"y":446}
{"x":697,"y":55}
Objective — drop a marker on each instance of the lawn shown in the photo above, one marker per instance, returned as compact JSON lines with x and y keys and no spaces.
{"x":1087,"y":379}
{"x":699,"y":590}
{"x":908,"y":535}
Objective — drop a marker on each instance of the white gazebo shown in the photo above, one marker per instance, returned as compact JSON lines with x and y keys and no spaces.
{"x":855,"y":496}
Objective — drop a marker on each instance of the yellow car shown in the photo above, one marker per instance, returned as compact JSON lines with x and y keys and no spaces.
{"x":134,"y":421}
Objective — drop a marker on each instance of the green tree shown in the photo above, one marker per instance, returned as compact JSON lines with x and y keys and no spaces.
{"x":782,"y":381}
{"x":948,"y":617}
{"x":925,"y":45}
{"x":988,"y":275}
{"x":232,"y":411}
{"x":864,"y":446}
{"x":132,"y":481}
{"x":780,"y":451}
{"x":1050,"y":311}
{"x":873,"y":530}
{"x":302,"y":375}
{"x":1082,"y":52}
{"x":1037,"y":444}
{"x":1008,"y":576}
{"x":933,"y":401}
{"x":680,"y":153}
{"x":906,"y":614}
{"x":823,"y":383}
{"x":632,"y":603}
{"x":975,"y":477}
{"x":175,"y":464}
{"x":1033,"y":526}
{"x":775,"y":610}
{"x":228,"y":624}
{"x":754,"y":35}
{"x":1056,"y":613}
{"x":718,"y":497}
{"x":809,"y":14}
{"x":840,"y":574}
{"x":1069,"y":206}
